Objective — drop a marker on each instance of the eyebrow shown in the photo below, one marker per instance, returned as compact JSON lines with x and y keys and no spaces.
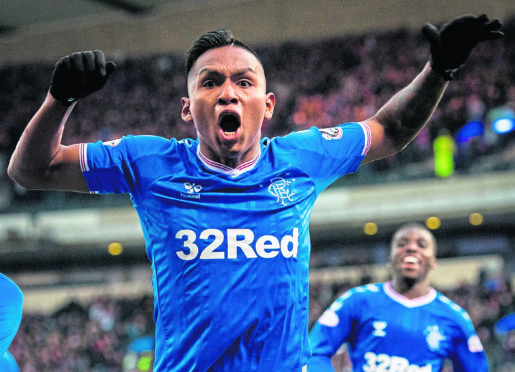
{"x":212,"y":71}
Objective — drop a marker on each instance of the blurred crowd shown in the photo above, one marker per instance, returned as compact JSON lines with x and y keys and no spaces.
{"x":92,"y":337}
{"x":99,"y":336}
{"x":321,"y":83}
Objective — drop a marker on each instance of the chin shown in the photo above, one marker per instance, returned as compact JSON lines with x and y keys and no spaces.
{"x":409,"y":280}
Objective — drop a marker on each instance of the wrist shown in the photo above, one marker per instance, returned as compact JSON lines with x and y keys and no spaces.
{"x":50,"y":100}
{"x":446,"y":73}
{"x":64,"y":103}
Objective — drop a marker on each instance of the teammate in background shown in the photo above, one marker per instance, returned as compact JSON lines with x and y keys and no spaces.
{"x":11,"y":307}
{"x":403,"y":324}
{"x":226,"y":216}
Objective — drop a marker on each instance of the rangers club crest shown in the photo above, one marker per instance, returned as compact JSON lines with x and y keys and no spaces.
{"x":433,"y":337}
{"x":279,"y":188}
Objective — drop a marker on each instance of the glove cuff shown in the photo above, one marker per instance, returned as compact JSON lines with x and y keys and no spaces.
{"x":64,"y":101}
{"x":69,"y":101}
{"x":447,"y":74}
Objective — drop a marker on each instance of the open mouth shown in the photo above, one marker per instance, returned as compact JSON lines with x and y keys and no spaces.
{"x":410,"y":263}
{"x":410,"y":260}
{"x":229,"y":123}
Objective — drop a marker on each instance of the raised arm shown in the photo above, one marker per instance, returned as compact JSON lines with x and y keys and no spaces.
{"x":40,"y":161}
{"x":395,"y":125}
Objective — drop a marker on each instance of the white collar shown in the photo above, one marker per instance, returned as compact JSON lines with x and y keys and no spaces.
{"x":221,"y":168}
{"x":408,"y":302}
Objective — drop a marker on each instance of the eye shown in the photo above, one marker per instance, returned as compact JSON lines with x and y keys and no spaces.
{"x":208,"y":84}
{"x":401,"y":243}
{"x":245,"y":83}
{"x":422,"y":243}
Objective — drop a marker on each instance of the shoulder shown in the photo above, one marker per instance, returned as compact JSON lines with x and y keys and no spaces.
{"x":144,"y":144}
{"x":350,"y":304}
{"x":449,"y":304}
{"x":144,"y":140}
{"x":360,"y":293}
{"x":10,"y":290}
{"x":331,"y":133}
{"x":366,"y":290}
{"x":347,"y":133}
{"x":453,"y":310}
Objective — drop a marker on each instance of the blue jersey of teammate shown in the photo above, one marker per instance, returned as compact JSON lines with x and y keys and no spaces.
{"x":385,"y":331}
{"x":11,"y":308}
{"x":229,"y":247}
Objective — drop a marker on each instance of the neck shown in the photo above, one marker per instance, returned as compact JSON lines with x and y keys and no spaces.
{"x":409,"y":287}
{"x":233,"y":169}
{"x":232,"y":161}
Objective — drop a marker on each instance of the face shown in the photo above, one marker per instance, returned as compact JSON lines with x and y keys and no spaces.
{"x":228,"y":103}
{"x":413,"y":253}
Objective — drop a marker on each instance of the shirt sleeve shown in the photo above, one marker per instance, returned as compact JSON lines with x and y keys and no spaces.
{"x":102,"y":165}
{"x":333,"y":327}
{"x":123,"y":165}
{"x":469,"y":355}
{"x":326,"y":154}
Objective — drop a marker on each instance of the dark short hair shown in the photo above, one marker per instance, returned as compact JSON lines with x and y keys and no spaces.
{"x":211,"y":40}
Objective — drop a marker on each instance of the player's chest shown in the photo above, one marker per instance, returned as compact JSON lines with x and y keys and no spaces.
{"x":268,"y":192}
{"x":409,"y":328}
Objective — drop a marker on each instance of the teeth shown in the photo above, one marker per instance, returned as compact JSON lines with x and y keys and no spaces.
{"x":410,"y":259}
{"x":229,"y":133}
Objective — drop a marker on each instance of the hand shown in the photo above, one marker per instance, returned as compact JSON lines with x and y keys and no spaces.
{"x":453,"y":42}
{"x":79,"y":74}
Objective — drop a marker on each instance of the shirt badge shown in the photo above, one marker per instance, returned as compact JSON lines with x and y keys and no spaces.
{"x":379,"y":328}
{"x":192,"y":190}
{"x":112,"y":143}
{"x":279,"y":188}
{"x":433,"y":337}
{"x":332,"y":133}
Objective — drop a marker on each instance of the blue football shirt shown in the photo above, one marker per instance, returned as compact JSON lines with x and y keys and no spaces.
{"x":229,"y":247}
{"x":7,"y":363}
{"x":385,"y":331}
{"x":11,"y":309}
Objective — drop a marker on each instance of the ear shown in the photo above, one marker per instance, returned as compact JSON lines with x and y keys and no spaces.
{"x":185,"y":112}
{"x":432,"y":263}
{"x":270,"y":104}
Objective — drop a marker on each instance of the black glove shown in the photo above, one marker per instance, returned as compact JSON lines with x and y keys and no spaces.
{"x":79,"y":74}
{"x":453,"y":42}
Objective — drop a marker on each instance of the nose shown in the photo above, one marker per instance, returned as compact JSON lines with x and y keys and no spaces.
{"x":227,"y":94}
{"x":411,"y":246}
